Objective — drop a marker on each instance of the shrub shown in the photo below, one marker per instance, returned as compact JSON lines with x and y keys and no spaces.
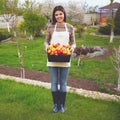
{"x":105,"y":30}
{"x":34,"y":23}
{"x":79,"y":29}
{"x":4,"y":35}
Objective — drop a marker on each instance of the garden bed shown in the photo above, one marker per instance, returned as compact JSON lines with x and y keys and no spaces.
{"x":73,"y":82}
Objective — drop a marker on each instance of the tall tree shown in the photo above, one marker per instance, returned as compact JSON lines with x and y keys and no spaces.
{"x":1,"y":6}
{"x":47,"y":9}
{"x":30,"y":5}
{"x":74,"y":12}
{"x":84,"y":6}
{"x":10,"y":13}
{"x":33,"y":23}
{"x":111,"y":22}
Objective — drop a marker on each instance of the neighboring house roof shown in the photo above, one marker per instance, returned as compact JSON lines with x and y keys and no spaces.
{"x":115,"y":5}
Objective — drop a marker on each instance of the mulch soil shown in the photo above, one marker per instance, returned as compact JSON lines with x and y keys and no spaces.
{"x":44,"y":77}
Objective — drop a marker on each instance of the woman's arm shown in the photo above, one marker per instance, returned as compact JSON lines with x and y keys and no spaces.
{"x":72,"y":39}
{"x":48,"y":37}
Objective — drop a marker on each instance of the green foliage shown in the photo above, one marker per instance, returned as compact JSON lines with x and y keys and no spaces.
{"x":70,"y":22}
{"x":79,"y":29}
{"x":41,"y":25}
{"x":33,"y":23}
{"x":105,"y":89}
{"x":4,"y":34}
{"x":1,"y":6}
{"x":10,"y":6}
{"x":21,"y":26}
{"x":117,"y":22}
{"x":27,"y":102}
{"x":105,"y":30}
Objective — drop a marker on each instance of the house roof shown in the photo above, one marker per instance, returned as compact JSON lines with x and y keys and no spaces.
{"x":114,"y":6}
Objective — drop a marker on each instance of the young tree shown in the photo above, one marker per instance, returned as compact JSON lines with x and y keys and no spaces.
{"x":21,"y":58}
{"x":10,"y":13}
{"x":116,"y":64}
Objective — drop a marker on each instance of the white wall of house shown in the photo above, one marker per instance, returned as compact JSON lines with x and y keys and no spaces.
{"x":87,"y":18}
{"x":3,"y":23}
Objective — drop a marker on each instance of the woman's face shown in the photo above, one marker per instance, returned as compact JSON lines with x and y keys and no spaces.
{"x":59,"y":16}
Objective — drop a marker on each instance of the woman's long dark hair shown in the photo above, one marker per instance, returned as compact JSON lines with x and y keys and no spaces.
{"x":58,"y":8}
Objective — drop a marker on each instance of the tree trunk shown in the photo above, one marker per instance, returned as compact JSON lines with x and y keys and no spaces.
{"x":31,"y":37}
{"x":111,"y":36}
{"x":22,"y":73}
{"x":8,"y":26}
{"x":79,"y":34}
{"x":15,"y":34}
{"x":78,"y":61}
{"x":119,"y":81}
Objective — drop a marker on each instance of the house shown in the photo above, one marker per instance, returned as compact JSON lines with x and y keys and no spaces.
{"x":105,"y":12}
{"x":90,"y":17}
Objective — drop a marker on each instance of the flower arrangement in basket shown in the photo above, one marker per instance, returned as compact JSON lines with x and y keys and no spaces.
{"x":59,"y":53}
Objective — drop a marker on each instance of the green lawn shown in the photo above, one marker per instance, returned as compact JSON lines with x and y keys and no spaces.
{"x":35,"y":57}
{"x":20,"y":101}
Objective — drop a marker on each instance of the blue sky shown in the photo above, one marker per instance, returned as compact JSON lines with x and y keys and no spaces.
{"x":89,"y":2}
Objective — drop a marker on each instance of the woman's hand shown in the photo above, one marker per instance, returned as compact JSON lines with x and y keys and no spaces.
{"x":72,"y":49}
{"x":46,"y":48}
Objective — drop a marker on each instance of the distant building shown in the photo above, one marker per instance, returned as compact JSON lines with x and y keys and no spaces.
{"x":105,"y":12}
{"x":89,"y":18}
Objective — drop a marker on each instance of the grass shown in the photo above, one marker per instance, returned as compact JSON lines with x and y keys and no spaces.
{"x":20,"y":101}
{"x":35,"y":57}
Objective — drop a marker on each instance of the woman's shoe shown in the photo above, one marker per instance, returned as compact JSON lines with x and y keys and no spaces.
{"x":62,"y":108}
{"x":55,"y":109}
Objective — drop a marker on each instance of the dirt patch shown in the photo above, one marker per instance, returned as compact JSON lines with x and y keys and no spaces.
{"x":73,"y":82}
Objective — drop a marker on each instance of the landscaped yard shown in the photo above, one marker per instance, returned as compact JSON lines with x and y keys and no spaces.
{"x":20,"y":102}
{"x":93,"y":83}
{"x":96,"y":69}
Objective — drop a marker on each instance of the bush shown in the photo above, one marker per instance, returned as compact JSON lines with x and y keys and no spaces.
{"x":79,"y":29}
{"x":105,"y":30}
{"x":4,"y":34}
{"x":34,"y":23}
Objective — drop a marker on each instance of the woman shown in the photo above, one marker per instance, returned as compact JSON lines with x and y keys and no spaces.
{"x":59,"y":32}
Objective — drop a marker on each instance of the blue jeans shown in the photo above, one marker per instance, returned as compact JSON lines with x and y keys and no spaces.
{"x":58,"y":75}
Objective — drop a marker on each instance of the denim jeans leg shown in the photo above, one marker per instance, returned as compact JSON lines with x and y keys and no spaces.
{"x":63,"y":78}
{"x":54,"y":78}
